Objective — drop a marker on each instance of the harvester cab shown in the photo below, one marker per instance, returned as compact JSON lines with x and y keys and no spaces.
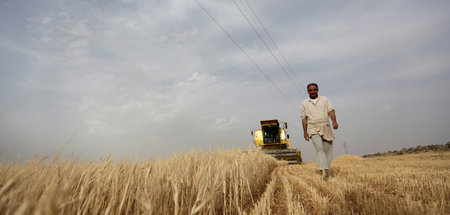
{"x":273,"y":139}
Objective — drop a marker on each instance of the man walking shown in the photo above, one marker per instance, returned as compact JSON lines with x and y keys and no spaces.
{"x":315,"y":111}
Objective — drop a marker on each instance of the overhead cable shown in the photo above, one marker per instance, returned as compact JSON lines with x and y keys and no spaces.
{"x":248,"y":56}
{"x":303,"y":86}
{"x":269,"y":49}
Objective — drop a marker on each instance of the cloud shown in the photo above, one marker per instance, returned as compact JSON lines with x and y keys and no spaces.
{"x":196,"y":79}
{"x":131,"y":109}
{"x":145,"y":72}
{"x":186,"y":34}
{"x":222,"y":124}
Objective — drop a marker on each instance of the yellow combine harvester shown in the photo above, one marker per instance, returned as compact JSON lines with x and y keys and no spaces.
{"x":273,"y":140}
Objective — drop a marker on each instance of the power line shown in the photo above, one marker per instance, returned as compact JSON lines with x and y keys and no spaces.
{"x":268,"y":48}
{"x":276,"y":46}
{"x":248,"y":56}
{"x":274,"y":43}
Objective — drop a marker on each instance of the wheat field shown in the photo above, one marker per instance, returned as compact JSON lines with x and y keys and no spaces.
{"x":406,"y":184}
{"x":227,"y":182}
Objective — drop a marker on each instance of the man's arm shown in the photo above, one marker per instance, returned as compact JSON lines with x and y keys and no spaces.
{"x":305,"y":128}
{"x":333,"y":118}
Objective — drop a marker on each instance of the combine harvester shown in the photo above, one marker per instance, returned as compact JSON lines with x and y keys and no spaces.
{"x":273,"y":140}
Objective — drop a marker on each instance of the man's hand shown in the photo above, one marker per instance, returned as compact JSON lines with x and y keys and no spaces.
{"x":335,"y":125}
{"x":305,"y":130}
{"x":333,"y":119}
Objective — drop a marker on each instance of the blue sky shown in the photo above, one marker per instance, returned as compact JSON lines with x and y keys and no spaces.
{"x":157,"y":77}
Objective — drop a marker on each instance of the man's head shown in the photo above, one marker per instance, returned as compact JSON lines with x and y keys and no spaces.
{"x":313,"y":89}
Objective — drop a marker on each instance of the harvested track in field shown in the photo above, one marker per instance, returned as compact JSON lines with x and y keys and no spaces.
{"x":407,"y":184}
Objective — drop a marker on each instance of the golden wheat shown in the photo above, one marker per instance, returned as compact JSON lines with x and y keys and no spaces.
{"x":228,"y":182}
{"x":220,"y":182}
{"x":406,"y":184}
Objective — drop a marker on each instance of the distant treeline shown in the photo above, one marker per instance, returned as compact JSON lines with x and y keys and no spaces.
{"x":436,"y":147}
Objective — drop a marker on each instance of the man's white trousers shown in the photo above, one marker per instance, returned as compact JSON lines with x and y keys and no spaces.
{"x":324,"y":151}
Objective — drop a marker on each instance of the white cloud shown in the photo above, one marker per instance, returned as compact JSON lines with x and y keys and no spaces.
{"x":154,"y":71}
{"x":128,"y":110}
{"x":186,"y":34}
{"x":197,"y":79}
{"x":225,"y":124}
{"x":132,"y":109}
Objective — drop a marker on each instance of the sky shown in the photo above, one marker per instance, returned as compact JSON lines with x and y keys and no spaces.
{"x":153,"y":78}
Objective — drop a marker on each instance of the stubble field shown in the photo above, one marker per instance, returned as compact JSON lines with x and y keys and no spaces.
{"x":228,"y":182}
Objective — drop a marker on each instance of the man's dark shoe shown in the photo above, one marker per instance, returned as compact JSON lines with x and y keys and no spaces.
{"x":325,"y":175}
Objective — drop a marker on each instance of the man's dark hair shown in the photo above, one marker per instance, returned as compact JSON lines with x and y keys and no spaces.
{"x":312,"y":84}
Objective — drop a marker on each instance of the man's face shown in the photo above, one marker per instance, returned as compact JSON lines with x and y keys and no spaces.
{"x":312,"y":91}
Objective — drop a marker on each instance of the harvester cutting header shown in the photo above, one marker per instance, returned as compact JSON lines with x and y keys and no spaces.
{"x":273,"y":139}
